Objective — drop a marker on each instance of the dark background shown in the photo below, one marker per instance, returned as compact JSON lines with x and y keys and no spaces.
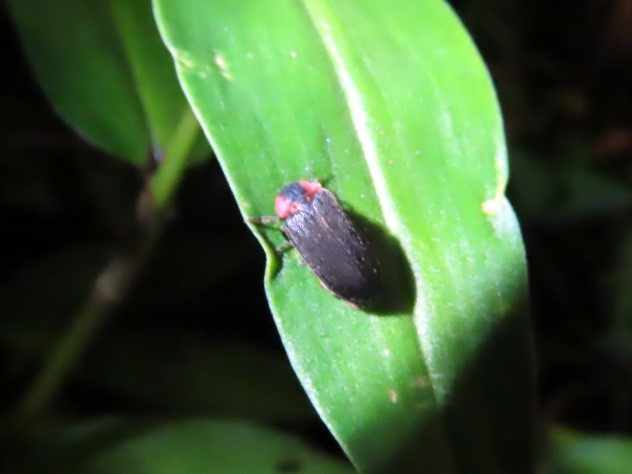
{"x":563,"y":74}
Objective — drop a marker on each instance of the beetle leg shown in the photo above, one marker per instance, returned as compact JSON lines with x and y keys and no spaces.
{"x":264,"y":220}
{"x":284,"y":247}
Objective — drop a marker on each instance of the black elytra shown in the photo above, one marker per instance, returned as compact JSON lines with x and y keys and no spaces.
{"x":329,"y":242}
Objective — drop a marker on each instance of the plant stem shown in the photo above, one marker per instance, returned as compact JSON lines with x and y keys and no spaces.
{"x":115,"y":280}
{"x":171,"y":169}
{"x":108,"y":290}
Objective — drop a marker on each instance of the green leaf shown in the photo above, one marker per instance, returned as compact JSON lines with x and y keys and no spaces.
{"x":390,"y":105}
{"x":194,"y":446}
{"x":571,"y":452}
{"x":105,"y":70}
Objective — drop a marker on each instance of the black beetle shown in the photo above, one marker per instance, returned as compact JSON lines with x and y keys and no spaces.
{"x":329,"y":242}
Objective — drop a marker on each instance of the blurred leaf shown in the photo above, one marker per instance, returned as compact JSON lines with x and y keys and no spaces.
{"x":39,"y":299}
{"x":61,"y":281}
{"x":102,"y":65}
{"x":389,"y":104}
{"x":194,"y":372}
{"x":194,"y":446}
{"x":618,"y":338}
{"x":548,"y":191}
{"x":622,"y":277}
{"x":534,"y":186}
{"x":572,"y":452}
{"x":197,"y":374}
{"x":590,"y":194}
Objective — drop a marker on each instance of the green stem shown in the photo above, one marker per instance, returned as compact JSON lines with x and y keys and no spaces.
{"x":113,"y":283}
{"x":109,"y":288}
{"x":170,"y":172}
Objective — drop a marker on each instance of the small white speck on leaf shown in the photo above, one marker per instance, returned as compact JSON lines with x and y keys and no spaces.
{"x":392,"y":396}
{"x":222,"y":65}
{"x":492,"y":206}
{"x":182,"y":57}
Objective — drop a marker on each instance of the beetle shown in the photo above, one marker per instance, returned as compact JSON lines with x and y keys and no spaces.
{"x":329,"y":242}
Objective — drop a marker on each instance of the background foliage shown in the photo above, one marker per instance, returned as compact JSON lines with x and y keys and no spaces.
{"x":563,"y":76}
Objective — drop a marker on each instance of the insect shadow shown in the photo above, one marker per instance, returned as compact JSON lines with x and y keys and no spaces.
{"x":396,"y":291}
